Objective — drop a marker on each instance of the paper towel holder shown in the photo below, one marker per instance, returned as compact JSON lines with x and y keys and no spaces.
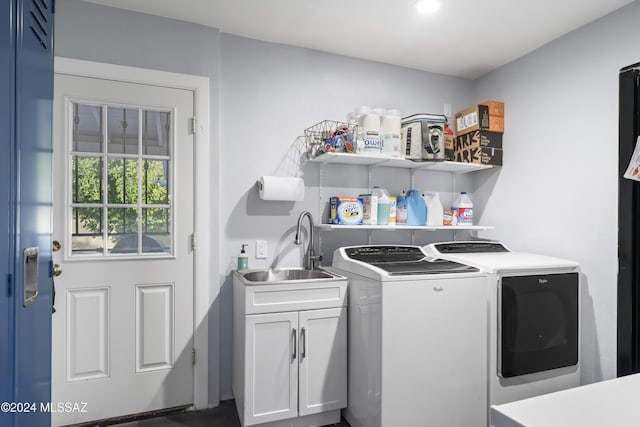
{"x":280,"y":188}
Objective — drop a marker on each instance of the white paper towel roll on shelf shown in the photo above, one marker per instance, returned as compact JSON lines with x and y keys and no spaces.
{"x":283,"y":188}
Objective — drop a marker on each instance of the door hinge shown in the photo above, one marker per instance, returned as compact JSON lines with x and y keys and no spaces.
{"x":194,"y":242}
{"x":193,"y":356}
{"x":194,"y":125}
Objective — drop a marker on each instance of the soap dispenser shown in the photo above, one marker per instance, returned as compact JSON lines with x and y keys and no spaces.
{"x":243,"y":259}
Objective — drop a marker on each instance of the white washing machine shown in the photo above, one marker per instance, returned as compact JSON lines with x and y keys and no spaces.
{"x":417,"y":338}
{"x":534,"y":318}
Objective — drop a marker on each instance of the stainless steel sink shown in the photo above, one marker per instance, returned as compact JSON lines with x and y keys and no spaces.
{"x":287,"y":275}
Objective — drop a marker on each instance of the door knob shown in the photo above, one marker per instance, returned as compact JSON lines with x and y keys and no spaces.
{"x":56,"y":246}
{"x":57,"y":270}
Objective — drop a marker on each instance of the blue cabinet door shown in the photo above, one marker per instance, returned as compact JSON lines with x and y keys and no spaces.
{"x":33,"y":122}
{"x":7,"y":31}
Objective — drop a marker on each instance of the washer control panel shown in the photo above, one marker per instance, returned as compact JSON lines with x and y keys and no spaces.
{"x":470,"y":247}
{"x":376,"y":254}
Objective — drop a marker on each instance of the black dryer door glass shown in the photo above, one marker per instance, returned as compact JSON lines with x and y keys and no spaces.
{"x":538,"y":323}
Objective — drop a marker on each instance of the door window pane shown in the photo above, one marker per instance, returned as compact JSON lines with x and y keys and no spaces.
{"x":86,"y":183}
{"x":123,"y":181}
{"x":156,"y":225}
{"x":155,"y":182}
{"x":87,"y":128}
{"x":156,"y":134}
{"x":123,"y":230}
{"x":122,"y":130}
{"x":86,"y":231}
{"x":128,"y":211}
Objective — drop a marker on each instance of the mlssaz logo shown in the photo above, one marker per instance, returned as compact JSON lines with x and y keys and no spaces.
{"x":543,"y":281}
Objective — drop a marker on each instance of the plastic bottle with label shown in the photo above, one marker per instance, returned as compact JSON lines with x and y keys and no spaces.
{"x":464,"y":209}
{"x":369,"y":130}
{"x":401,"y":208}
{"x":243,"y":259}
{"x":390,"y":131}
{"x":383,"y":205}
{"x":435,"y":213}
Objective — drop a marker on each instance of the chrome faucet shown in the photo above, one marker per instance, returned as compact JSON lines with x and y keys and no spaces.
{"x":310,"y":258}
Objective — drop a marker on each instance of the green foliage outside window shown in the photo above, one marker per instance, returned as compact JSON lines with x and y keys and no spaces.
{"x":122,"y":185}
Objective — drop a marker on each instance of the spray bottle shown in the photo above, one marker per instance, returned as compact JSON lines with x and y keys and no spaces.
{"x":243,"y":259}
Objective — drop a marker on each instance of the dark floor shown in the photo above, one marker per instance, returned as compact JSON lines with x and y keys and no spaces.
{"x":223,"y":416}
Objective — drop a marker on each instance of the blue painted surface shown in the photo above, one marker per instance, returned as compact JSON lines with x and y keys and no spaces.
{"x":26,"y":92}
{"x":7,"y":30}
{"x":34,"y":86}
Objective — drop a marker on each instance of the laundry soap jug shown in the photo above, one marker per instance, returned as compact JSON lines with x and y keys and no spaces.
{"x":416,"y":209}
{"x":435,"y":214}
{"x":464,"y":209}
{"x":384,"y":205}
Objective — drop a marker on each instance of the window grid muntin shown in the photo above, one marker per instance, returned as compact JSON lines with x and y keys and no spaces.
{"x":105,"y":156}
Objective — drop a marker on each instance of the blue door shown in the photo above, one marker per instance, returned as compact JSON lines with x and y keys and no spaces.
{"x":27,"y":89}
{"x":7,"y":28}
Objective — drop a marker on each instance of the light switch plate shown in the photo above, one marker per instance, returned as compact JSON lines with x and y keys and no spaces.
{"x":261,"y":249}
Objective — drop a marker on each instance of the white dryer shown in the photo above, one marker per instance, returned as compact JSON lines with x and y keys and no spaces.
{"x":534,"y":318}
{"x":417,"y":338}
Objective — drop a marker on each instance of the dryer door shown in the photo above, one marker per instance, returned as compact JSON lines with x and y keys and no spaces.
{"x":538,"y":323}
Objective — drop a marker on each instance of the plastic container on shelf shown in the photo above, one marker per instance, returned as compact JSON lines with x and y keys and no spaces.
{"x":401,"y":208}
{"x":416,"y":209}
{"x":384,"y":205}
{"x":393,"y":203}
{"x":390,"y":132}
{"x":369,"y":130}
{"x":370,"y":208}
{"x":435,"y":212}
{"x":463,"y":206}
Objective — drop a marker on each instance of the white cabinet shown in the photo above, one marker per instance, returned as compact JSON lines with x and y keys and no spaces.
{"x":271,"y":367}
{"x":290,"y":367}
{"x":322,"y":360}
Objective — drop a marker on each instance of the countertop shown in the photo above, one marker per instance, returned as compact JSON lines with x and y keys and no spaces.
{"x":614,"y":402}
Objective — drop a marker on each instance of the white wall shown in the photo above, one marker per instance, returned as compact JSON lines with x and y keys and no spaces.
{"x":269,"y":94}
{"x":557,"y":191}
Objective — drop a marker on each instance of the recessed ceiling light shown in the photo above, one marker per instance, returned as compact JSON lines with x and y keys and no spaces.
{"x":428,"y":6}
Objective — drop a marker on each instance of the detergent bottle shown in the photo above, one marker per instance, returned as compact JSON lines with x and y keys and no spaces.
{"x":464,"y":209}
{"x":435,"y":213}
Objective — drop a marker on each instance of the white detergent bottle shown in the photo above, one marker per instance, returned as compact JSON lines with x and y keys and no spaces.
{"x":464,"y":209}
{"x":435,"y":213}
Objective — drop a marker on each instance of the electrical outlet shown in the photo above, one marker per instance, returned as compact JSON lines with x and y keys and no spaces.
{"x":261,"y":249}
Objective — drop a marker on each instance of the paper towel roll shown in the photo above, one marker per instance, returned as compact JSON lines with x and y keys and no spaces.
{"x":284,"y":188}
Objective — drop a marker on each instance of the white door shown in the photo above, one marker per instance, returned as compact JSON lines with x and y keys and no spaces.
{"x":123,"y":213}
{"x":323,"y":360}
{"x":271,"y":381}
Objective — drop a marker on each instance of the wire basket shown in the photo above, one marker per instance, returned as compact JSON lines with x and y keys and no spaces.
{"x":330,"y":136}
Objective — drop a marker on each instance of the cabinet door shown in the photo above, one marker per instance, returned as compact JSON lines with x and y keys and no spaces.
{"x":31,"y":177}
{"x":271,"y":367}
{"x":323,"y":360}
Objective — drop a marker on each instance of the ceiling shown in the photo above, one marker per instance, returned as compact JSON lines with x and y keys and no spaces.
{"x":465,"y":38}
